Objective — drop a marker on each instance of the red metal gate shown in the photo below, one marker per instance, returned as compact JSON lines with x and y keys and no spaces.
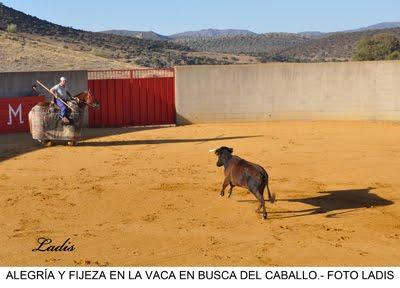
{"x":133,"y":97}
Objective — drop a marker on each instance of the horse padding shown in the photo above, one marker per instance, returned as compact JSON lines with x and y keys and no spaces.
{"x":46,"y":123}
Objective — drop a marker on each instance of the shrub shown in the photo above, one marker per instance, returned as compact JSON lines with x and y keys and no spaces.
{"x":12,"y":28}
{"x":102,"y":53}
{"x":394,"y":56}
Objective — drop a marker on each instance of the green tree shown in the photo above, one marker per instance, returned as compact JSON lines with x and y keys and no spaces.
{"x":394,"y":56}
{"x":381,"y":46}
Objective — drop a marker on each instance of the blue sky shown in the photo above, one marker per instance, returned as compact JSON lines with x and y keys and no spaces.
{"x":172,"y":16}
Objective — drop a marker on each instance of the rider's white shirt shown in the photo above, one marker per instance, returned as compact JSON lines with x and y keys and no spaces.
{"x":61,"y":91}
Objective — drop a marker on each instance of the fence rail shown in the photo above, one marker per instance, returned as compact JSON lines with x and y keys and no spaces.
{"x":131,"y":73}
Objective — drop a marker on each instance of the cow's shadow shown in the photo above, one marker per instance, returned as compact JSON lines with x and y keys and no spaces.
{"x":334,"y":203}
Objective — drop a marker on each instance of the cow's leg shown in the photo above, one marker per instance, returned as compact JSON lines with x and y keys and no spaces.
{"x":230,"y":190}
{"x":226,"y":183}
{"x":259,"y":207}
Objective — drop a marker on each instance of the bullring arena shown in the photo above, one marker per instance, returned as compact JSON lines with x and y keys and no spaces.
{"x":149,"y":196}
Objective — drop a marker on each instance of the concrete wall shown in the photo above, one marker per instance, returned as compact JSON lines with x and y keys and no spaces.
{"x":16,"y":84}
{"x":260,"y":92}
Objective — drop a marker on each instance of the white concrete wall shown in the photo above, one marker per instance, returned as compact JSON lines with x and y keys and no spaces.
{"x":260,"y":92}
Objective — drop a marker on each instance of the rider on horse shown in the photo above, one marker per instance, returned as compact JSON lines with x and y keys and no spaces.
{"x":61,"y":91}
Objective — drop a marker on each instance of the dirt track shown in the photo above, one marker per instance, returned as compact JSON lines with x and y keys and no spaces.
{"x":150,"y":197}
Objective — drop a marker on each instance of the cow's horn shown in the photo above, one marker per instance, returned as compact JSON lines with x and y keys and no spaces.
{"x":212,"y":150}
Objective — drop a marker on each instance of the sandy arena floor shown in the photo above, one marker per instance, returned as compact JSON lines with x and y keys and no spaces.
{"x":151,"y":197}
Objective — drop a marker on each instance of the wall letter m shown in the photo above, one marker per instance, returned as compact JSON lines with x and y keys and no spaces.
{"x":12,"y":112}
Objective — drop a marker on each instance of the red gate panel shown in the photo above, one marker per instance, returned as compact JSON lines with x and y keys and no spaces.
{"x":111,"y":98}
{"x":14,"y":113}
{"x":157,"y":102}
{"x":144,"y":101}
{"x":126,"y":104}
{"x":135,"y":101}
{"x":104,"y":103}
{"x":119,"y":100}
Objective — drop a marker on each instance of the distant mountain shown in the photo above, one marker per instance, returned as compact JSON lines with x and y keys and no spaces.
{"x":311,"y":34}
{"x":379,"y":26}
{"x":212,"y":33}
{"x":209,"y":34}
{"x":138,"y":34}
{"x":205,"y":33}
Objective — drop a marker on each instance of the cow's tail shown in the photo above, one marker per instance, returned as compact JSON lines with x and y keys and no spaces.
{"x":271,"y":194}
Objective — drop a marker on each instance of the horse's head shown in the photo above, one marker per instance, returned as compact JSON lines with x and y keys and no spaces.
{"x":87,"y":98}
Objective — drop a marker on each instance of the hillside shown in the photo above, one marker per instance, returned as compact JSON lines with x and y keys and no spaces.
{"x":205,"y":33}
{"x":270,"y":42}
{"x":311,"y":34}
{"x":285,"y":47}
{"x":138,"y":34}
{"x":142,"y":52}
{"x":211,"y":33}
{"x":331,"y":47}
{"x":27,"y":52}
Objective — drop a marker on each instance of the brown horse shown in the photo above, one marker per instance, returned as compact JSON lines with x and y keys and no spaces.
{"x":83,"y":98}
